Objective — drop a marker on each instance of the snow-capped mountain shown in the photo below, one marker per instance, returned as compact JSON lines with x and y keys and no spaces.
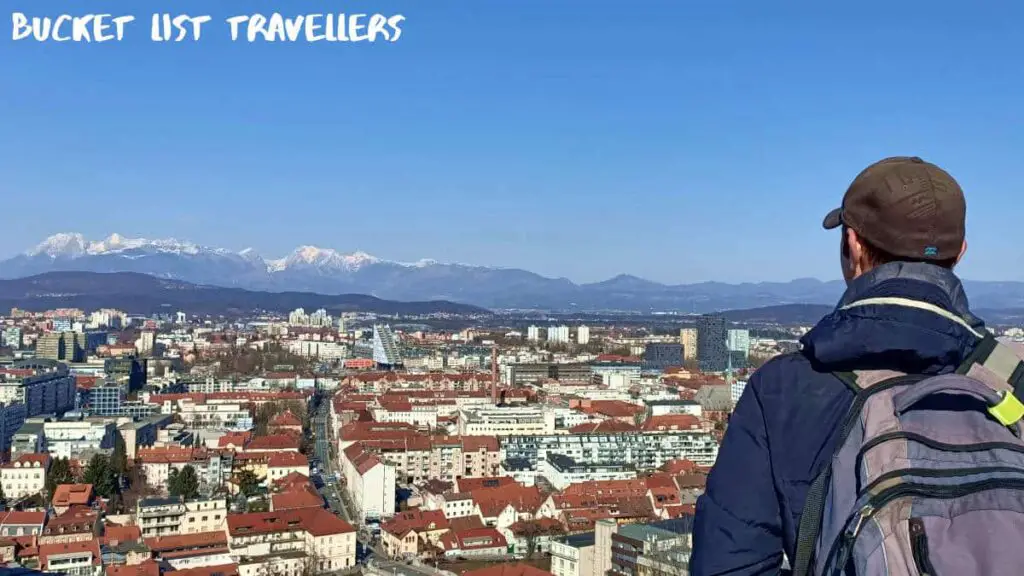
{"x":329,"y":271}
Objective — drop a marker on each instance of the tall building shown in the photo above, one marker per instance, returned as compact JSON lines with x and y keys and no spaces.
{"x":688,"y":338}
{"x":583,"y":335}
{"x":533,"y":333}
{"x":61,"y":346}
{"x":712,"y":351}
{"x":661,"y":355}
{"x":12,"y":338}
{"x":107,"y":400}
{"x":146,"y":342}
{"x":739,"y":341}
{"x":385,"y":347}
{"x":558,"y":334}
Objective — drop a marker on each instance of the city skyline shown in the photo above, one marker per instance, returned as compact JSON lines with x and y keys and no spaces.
{"x":673,"y":143}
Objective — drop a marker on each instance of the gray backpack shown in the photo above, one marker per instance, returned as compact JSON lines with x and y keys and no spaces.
{"x":928,"y":473}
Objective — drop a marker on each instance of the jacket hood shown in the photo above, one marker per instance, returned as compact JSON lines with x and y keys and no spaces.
{"x":888,"y":336}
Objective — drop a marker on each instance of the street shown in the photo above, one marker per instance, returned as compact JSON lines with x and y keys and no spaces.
{"x":329,"y":488}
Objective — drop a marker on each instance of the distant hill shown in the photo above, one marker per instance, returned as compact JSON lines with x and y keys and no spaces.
{"x":327,"y":271}
{"x":786,"y":314}
{"x":144,"y":294}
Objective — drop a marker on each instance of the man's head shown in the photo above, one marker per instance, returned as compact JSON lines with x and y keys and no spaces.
{"x":900,"y":209}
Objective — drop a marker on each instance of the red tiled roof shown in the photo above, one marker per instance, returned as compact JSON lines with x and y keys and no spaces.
{"x":493,"y":500}
{"x":22,"y":518}
{"x":221,"y":570}
{"x":81,"y":547}
{"x":298,"y":497}
{"x":117,"y":533}
{"x":292,"y":480}
{"x":316,"y":521}
{"x":179,"y":542}
{"x":168,"y":455}
{"x":672,"y":422}
{"x":475,"y":539}
{"x":275,"y":442}
{"x":72,"y":494}
{"x":415,"y":520}
{"x":147,"y":568}
{"x":614,"y":408}
{"x":28,"y":460}
{"x":362,"y":459}
{"x":478,"y":443}
{"x":507,"y":569}
{"x":237,"y":439}
{"x":287,"y":460}
{"x":471,"y":484}
{"x":604,"y":426}
{"x":286,"y":418}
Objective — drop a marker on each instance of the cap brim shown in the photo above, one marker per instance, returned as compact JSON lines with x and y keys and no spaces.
{"x":833,"y":219}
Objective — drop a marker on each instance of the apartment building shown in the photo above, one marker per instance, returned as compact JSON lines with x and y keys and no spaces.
{"x":371,"y":482}
{"x":563,"y":471}
{"x":172,"y":516}
{"x":304,"y":541}
{"x":43,"y":386}
{"x":574,"y":556}
{"x":506,"y":421}
{"x":25,"y":476}
{"x":417,"y":457}
{"x":644,"y":451}
{"x":78,"y":438}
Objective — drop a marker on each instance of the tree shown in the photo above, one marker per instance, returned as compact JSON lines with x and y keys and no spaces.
{"x":183,"y":483}
{"x":59,"y":473}
{"x":248,"y":483}
{"x":119,"y":459}
{"x":100,"y":473}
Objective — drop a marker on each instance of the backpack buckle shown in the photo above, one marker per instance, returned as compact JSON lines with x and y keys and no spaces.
{"x":1009,"y":410}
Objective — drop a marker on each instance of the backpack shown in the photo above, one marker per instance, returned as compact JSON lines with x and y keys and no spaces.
{"x":928,"y":473}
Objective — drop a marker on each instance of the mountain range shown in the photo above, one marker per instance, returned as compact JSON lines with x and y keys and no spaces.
{"x":144,"y":294}
{"x":327,"y":271}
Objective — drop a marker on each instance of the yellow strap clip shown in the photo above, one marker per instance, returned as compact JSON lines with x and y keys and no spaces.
{"x":1009,"y":410}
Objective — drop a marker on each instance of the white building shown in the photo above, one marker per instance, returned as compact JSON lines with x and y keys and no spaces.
{"x":738,"y":341}
{"x":688,"y":338}
{"x":25,"y":476}
{"x":70,"y":439}
{"x":172,"y":517}
{"x":371,"y":483}
{"x":563,"y":471}
{"x":736,"y":390}
{"x":506,"y":421}
{"x":644,"y":451}
{"x":558,"y":334}
{"x":146,"y":342}
{"x":533,"y":333}
{"x":574,"y":557}
{"x":291,"y":542}
{"x":583,"y":335}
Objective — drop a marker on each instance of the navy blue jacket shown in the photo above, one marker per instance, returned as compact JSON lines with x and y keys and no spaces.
{"x":783,"y":430}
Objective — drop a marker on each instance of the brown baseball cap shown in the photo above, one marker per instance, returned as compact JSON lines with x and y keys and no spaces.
{"x":907,"y":207}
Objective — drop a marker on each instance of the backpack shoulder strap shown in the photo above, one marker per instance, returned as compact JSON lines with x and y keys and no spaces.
{"x":999,"y":366}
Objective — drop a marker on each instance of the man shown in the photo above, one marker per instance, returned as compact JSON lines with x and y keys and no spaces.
{"x":902,"y":222}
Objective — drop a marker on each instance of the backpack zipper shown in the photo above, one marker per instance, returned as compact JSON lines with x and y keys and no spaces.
{"x":843,"y":547}
{"x":919,"y":547}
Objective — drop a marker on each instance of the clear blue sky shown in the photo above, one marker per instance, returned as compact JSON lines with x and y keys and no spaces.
{"x":679,"y":141}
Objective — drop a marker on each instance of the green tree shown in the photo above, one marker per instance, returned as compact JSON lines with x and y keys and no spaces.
{"x":119,"y":459}
{"x":184,"y":483}
{"x":100,"y":473}
{"x":248,"y":483}
{"x":59,"y":473}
